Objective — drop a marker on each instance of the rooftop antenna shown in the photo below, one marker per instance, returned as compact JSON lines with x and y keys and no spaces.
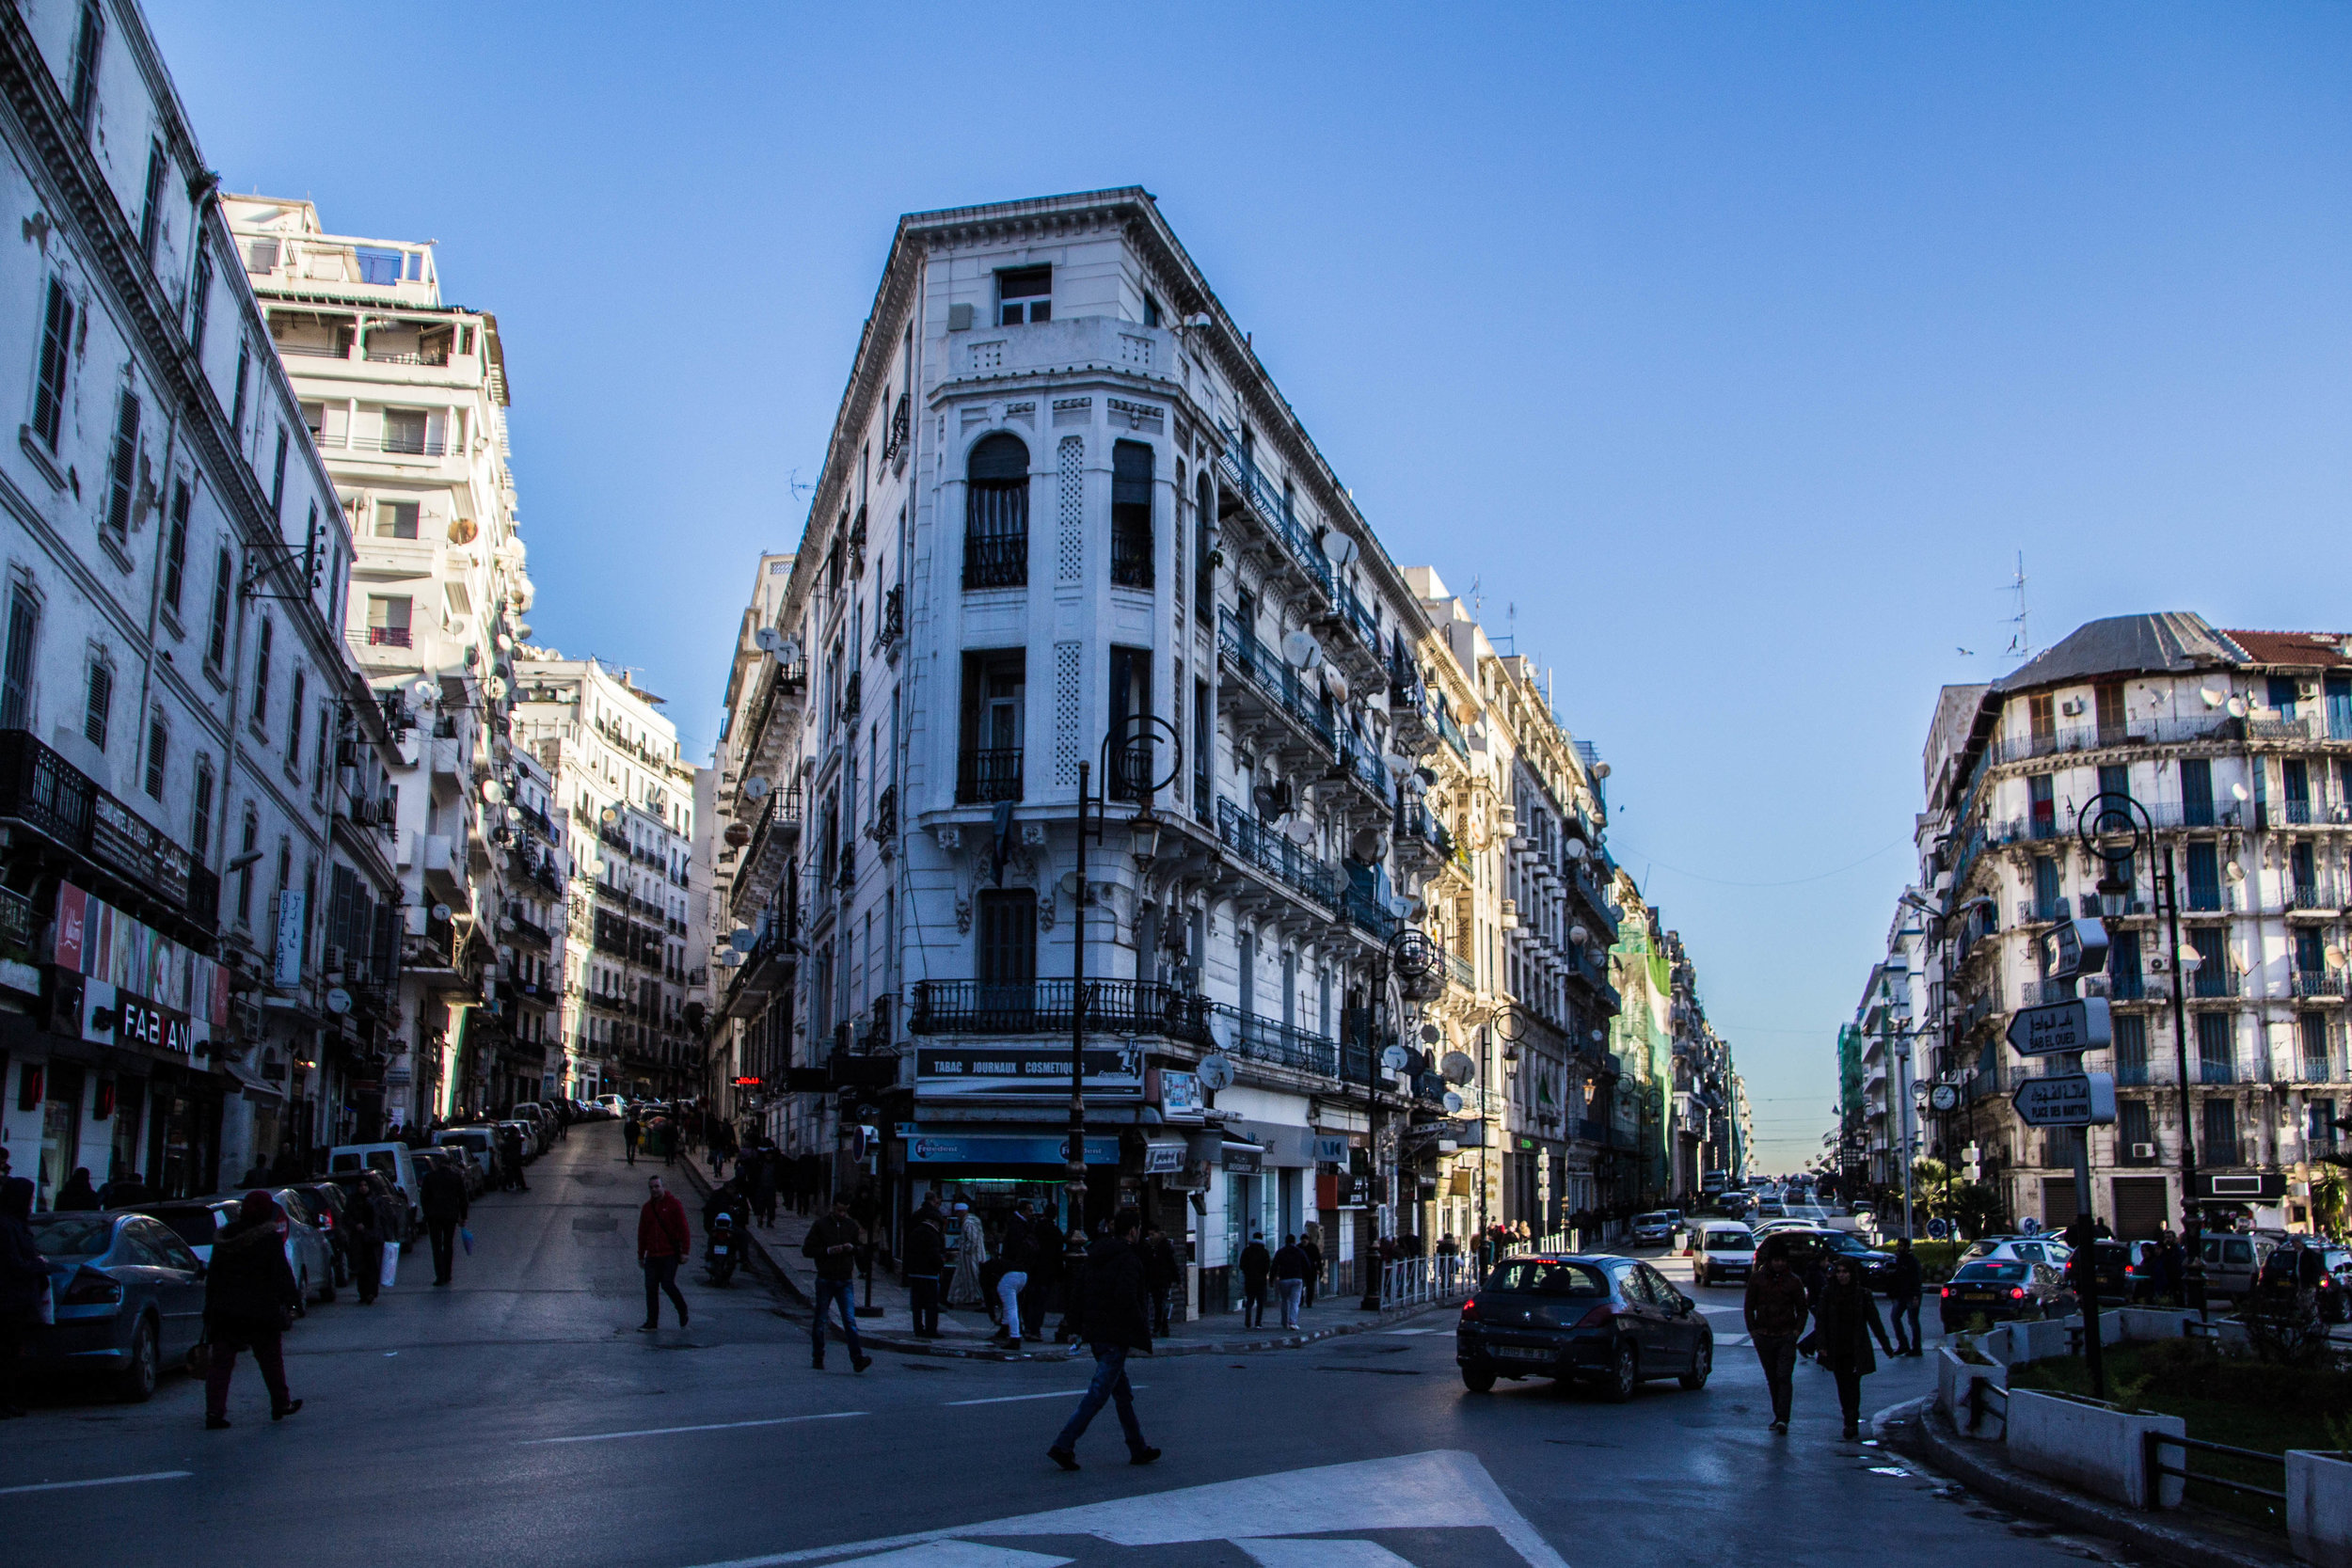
{"x":2021,"y":641}
{"x":1511,"y":625}
{"x":1478,"y":599}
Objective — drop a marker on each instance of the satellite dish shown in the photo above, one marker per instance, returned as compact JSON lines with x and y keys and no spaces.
{"x":732,"y":958}
{"x":423,"y":691}
{"x":1452,"y":1102}
{"x":2237,"y":792}
{"x":756,"y":787}
{"x":1601,"y":770}
{"x":2234,"y":872}
{"x":788,"y":652}
{"x":2237,"y":708}
{"x":1578,"y":935}
{"x":1599,"y":1037}
{"x":1393,"y":1058}
{"x":506,"y":643}
{"x":1430,"y":1034}
{"x":2334,"y":955}
{"x":338,"y":1000}
{"x":2213,"y":698}
{"x":522,"y":628}
{"x":1338,"y":549}
{"x":1335,"y":683}
{"x":767,"y":637}
{"x":1459,"y":1067}
{"x":493,"y":791}
{"x":740,"y":939}
{"x":610,"y":815}
{"x":1272,"y":801}
{"x":1365,"y":846}
{"x":1299,"y":831}
{"x":507,"y":923}
{"x":1216,"y":1072}
{"x":1300,"y":649}
{"x":440,"y":913}
{"x":513,"y":816}
{"x":1575,"y":849}
{"x":1398,"y":765}
{"x":497,"y":688}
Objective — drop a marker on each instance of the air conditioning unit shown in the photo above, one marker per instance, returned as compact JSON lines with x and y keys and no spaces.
{"x":2072,"y":706}
{"x":2158,"y":963}
{"x":2143,"y":1151}
{"x":1506,"y":821}
{"x":334,"y":959}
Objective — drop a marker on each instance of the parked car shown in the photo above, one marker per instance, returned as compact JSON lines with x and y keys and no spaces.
{"x":129,"y":1295}
{"x":612,"y":1106}
{"x":539,"y":1120}
{"x":194,"y":1220}
{"x":1657,"y":1229}
{"x":2233,"y":1261}
{"x":1722,"y":1249}
{"x":2335,"y":1289}
{"x":394,"y":1160}
{"x":2018,"y":1249}
{"x":528,"y":1131}
{"x":308,"y":1253}
{"x":366,"y":1185}
{"x":1614,"y":1321}
{"x":480,"y":1145}
{"x":2113,"y":1264}
{"x":1878,"y":1268}
{"x":323,"y":1204}
{"x":2001,"y":1290}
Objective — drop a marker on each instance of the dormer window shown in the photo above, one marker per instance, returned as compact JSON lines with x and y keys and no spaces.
{"x":1024,"y":294}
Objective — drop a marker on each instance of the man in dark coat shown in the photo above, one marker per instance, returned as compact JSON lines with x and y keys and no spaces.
{"x":1903,"y":1292}
{"x":1160,"y":1274}
{"x":832,"y":1245}
{"x":1256,"y":1263}
{"x":1776,"y":1308}
{"x":365,"y":1239}
{"x":1290,"y":1278}
{"x":926,"y":1257}
{"x":809,"y":1181}
{"x":1107,"y":1299}
{"x":249,"y":1292}
{"x":510,"y":1150}
{"x":758,"y":1175}
{"x":77,"y":1196}
{"x":441,"y":1195}
{"x":22,"y":1275}
{"x":1846,"y":1318}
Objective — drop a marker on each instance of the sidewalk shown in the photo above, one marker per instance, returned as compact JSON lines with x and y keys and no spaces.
{"x":967,"y":1333}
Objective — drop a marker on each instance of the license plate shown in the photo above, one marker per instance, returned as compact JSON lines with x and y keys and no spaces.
{"x":1520,"y":1353}
{"x":1980,"y":1295}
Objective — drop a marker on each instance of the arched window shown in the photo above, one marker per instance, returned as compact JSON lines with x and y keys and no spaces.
{"x":996,"y":514}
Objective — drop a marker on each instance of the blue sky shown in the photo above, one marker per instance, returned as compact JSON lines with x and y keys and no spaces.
{"x":1740,"y":348}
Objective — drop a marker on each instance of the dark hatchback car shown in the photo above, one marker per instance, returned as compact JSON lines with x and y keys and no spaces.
{"x":1610,"y":1320}
{"x":360,"y":1187}
{"x":2002,"y":1291}
{"x":129,"y":1297}
{"x":1805,"y":1246}
{"x":323,"y":1204}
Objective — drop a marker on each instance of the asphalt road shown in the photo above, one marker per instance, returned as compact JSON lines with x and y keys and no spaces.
{"x":519,"y":1417}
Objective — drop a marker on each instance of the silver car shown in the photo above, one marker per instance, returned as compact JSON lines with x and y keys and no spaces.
{"x":129,"y":1296}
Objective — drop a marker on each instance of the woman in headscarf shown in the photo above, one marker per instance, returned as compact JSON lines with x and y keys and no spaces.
{"x":971,"y":1251}
{"x":249,"y":1295}
{"x":1845,"y":1319}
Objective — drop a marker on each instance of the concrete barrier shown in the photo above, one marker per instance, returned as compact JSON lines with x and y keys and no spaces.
{"x":2319,"y":1507}
{"x":2091,"y":1446}
{"x":1953,"y":1377}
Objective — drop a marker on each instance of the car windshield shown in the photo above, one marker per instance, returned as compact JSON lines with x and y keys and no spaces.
{"x":1540,"y":1278}
{"x":1651,"y":1219}
{"x":2005,"y":1274}
{"x":72,"y":1236}
{"x":195,"y":1226}
{"x":1729,"y":1241}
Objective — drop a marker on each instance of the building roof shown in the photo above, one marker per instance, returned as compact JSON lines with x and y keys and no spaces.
{"x":2171,"y":642}
{"x":2305,"y":649}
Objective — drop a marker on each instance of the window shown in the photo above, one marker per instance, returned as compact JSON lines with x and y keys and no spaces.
{"x":56,"y":358}
{"x":1150,"y":310}
{"x":261,"y":674}
{"x":2133,"y":1132}
{"x":1203,"y":738}
{"x":396,"y":519}
{"x":996,"y":514}
{"x":2219,"y":1133}
{"x":2217,"y":1052}
{"x":1133,"y":764}
{"x":2131,"y":1048}
{"x":123,"y":468}
{"x":152,"y":209}
{"x":261,"y":257}
{"x":244,"y":365}
{"x":247,"y":852}
{"x":201,"y":823}
{"x":158,"y":746}
{"x":994,"y":695}
{"x":278,"y":476}
{"x":2195,"y":792}
{"x":98,"y":701}
{"x":2045,"y":887}
{"x":2038,"y":792}
{"x":224,"y":579}
{"x":2321,"y":1134}
{"x":2312,"y":1028}
{"x":176,"y":549}
{"x":2124,"y":981}
{"x":2205,"y":876}
{"x":1204,"y":567}
{"x":1024,"y":293}
{"x":2107,"y":707}
{"x":16,"y":695}
{"x":201,"y":299}
{"x":293,"y":725}
{"x":82,"y":92}
{"x":387,"y":619}
{"x":1131,"y":513}
{"x":1004,"y":950}
{"x":2042,"y":714}
{"x":407,"y":430}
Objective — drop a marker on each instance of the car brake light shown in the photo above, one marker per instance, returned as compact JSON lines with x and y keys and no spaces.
{"x":2017,"y":1293}
{"x":92,"y":1288}
{"x":1945,"y":1291}
{"x":1469,"y":1305}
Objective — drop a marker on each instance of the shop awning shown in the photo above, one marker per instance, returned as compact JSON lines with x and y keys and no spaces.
{"x":959,"y":1147}
{"x":257,"y":1089}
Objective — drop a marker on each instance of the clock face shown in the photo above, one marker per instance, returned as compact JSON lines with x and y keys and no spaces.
{"x":1943,"y":1097}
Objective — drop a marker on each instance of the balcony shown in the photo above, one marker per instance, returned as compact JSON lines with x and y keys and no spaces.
{"x":2320,"y":896}
{"x":2217,"y":1069}
{"x":50,"y":795}
{"x":1274,"y":683}
{"x":2317,"y":985}
{"x":389,"y":637}
{"x":1367,"y":916}
{"x":1274,"y":512}
{"x":1131,"y":555}
{"x":400,"y":443}
{"x":988,"y":774}
{"x":996,"y":559}
{"x":1043,"y":1008}
{"x":2213,"y":980}
{"x":894,"y":621}
{"x":1258,"y":1038}
{"x":1268,"y":851}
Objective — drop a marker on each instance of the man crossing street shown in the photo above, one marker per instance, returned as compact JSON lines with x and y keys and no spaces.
{"x":1107,"y":1299}
{"x":1903,"y":1292}
{"x":441,"y":1195}
{"x":663,"y":1244}
{"x":832,"y":1245}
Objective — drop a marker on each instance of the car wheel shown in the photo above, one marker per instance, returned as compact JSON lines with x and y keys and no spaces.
{"x":302,"y":1294}
{"x":1702,"y":1363}
{"x":1478,"y":1382}
{"x":135,"y":1382}
{"x":1624,"y":1375}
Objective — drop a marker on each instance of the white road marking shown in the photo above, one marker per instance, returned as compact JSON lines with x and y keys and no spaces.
{"x":1404,"y":1331}
{"x":1016,"y":1399}
{"x":709,"y":1426}
{"x":957,"y":1554}
{"x":1322,"y":1554}
{"x":102,"y":1481}
{"x":1443,"y":1489}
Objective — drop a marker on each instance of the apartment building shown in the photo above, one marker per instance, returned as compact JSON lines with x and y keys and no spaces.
{"x":2237,"y":747}
{"x":624,"y":805}
{"x":173,"y":684}
{"x":406,"y":399}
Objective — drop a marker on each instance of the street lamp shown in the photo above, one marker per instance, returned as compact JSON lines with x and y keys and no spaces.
{"x":2120,"y":816}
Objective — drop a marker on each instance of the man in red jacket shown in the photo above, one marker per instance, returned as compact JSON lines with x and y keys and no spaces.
{"x":663,"y":1243}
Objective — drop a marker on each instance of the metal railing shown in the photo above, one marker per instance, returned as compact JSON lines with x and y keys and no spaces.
{"x":1275,"y":680}
{"x":2153,"y":1445}
{"x":401,"y":443}
{"x":1269,"y":1040}
{"x":996,"y":559}
{"x":1420,"y":1281}
{"x":988,"y":774}
{"x":1270,"y":852}
{"x":1274,"y":511}
{"x":1043,"y":1006}
{"x":1131,"y":556}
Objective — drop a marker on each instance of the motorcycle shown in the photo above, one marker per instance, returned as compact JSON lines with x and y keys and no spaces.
{"x":726,"y":1249}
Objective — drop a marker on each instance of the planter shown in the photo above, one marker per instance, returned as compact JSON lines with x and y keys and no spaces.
{"x":2143,"y":1324}
{"x":2092,"y":1448}
{"x":1953,"y":1381}
{"x":2319,"y":1507}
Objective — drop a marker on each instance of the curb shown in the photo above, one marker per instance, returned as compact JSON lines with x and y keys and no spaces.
{"x":1922,"y":1433}
{"x":984,"y":1351}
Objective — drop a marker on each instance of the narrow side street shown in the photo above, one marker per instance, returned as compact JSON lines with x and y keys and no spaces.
{"x":520,"y":1412}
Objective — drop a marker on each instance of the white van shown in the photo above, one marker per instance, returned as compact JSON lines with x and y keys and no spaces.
{"x":394,"y":1160}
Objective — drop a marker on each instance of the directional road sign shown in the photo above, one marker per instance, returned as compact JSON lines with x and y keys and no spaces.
{"x":2077,"y":947}
{"x":2066,"y":1099}
{"x":2077,"y":1026}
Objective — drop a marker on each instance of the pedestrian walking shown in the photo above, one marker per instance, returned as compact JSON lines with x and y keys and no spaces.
{"x":663,"y":1244}
{"x":1290,"y":1279}
{"x":971,"y":1249}
{"x":808,"y":1173}
{"x":510,"y":1150}
{"x":1816,"y":1278}
{"x":1045,"y":1278}
{"x":1310,"y":1243}
{"x":1847,"y":1320}
{"x":23,"y":1278}
{"x":629,"y":1135}
{"x":1256,"y":1263}
{"x":926,"y":1259}
{"x":77,"y":1196}
{"x":832,"y":1245}
{"x":1015,"y":1256}
{"x":249,"y":1297}
{"x":441,"y":1195}
{"x":1776,"y":1312}
{"x":365,"y":1239}
{"x":1903,"y":1292}
{"x":1107,"y":1299}
{"x":1160,"y":1274}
